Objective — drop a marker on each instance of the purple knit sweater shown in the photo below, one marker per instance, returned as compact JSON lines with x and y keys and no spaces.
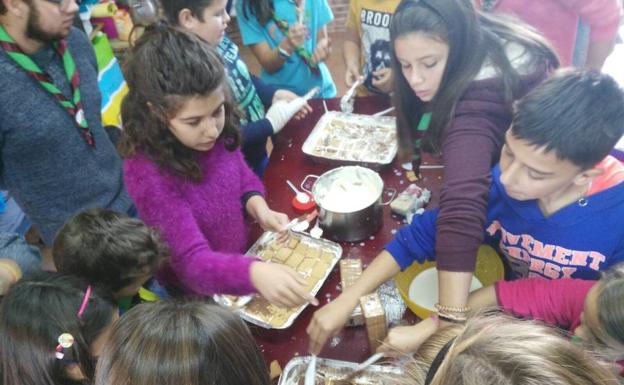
{"x":203,"y":223}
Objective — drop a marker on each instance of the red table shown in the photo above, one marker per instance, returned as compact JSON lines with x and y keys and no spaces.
{"x":288,"y":162}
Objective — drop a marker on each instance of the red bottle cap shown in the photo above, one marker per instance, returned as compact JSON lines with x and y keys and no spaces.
{"x":303,"y":206}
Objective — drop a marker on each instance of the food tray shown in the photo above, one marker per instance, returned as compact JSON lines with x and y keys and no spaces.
{"x":314,"y":258}
{"x":346,"y":137}
{"x":328,"y":370}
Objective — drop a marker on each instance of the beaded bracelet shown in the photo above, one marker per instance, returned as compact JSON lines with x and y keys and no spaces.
{"x":451,"y":309}
{"x":451,"y":320}
{"x":455,"y":317}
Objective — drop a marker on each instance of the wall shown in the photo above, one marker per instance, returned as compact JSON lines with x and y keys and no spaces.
{"x":340,"y":9}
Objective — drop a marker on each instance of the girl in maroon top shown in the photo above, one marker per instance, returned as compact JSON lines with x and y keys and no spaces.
{"x":457,"y":72}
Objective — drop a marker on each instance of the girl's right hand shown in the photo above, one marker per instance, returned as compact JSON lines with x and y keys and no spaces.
{"x":327,"y":321}
{"x":297,"y":34}
{"x":351,"y":76}
{"x":407,"y":339}
{"x":280,"y":284}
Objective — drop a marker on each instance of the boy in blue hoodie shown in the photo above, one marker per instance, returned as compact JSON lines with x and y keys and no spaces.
{"x":556,"y":202}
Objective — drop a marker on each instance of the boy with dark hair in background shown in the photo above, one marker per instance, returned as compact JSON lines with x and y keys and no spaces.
{"x":112,"y":250}
{"x":555,"y":205}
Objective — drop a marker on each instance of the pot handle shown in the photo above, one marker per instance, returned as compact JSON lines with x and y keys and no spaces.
{"x":303,"y":183}
{"x":393,"y":193}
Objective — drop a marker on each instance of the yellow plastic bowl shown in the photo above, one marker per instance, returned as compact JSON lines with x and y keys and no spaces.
{"x":488,"y":270}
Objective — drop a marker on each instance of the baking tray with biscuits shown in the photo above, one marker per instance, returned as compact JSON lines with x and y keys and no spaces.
{"x":313,"y":258}
{"x":353,"y":138}
{"x":334,"y":372}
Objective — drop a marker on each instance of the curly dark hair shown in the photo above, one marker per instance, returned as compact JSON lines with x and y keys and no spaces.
{"x":165,"y":68}
{"x":108,"y":248}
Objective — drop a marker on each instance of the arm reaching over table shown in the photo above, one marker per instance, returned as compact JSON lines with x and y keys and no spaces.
{"x":329,"y":319}
{"x":407,"y":339}
{"x":413,"y":243}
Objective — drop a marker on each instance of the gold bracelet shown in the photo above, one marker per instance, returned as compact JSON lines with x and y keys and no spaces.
{"x":449,"y":317}
{"x":450,"y":320}
{"x":452,"y":309}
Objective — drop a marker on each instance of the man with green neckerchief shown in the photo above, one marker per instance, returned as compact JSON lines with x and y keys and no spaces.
{"x":55,"y":157}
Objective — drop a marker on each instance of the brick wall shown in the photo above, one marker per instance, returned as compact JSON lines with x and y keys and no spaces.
{"x":340,"y":9}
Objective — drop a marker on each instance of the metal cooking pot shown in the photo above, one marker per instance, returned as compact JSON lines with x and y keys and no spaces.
{"x":349,"y":201}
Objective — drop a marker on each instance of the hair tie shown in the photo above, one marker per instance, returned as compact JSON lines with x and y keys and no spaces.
{"x":66,"y":340}
{"x":437,"y":361}
{"x":85,"y":301}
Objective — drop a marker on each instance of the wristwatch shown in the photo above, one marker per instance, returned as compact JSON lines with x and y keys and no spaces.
{"x":282,"y":52}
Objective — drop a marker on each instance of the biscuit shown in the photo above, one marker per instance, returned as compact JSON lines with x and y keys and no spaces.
{"x":267,"y":255}
{"x":282,"y":254}
{"x":313,"y":252}
{"x":292,"y":242}
{"x":301,"y":248}
{"x":319,"y":270}
{"x":274,"y":245}
{"x":306,"y":265}
{"x":294,"y":260}
{"x":327,"y":257}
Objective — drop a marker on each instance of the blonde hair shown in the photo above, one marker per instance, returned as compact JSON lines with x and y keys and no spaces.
{"x":493,"y":349}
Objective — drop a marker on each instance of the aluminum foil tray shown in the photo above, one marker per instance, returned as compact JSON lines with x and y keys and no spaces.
{"x":331,"y":371}
{"x":313,"y":258}
{"x":353,"y":138}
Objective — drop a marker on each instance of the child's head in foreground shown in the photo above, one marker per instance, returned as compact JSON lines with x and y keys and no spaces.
{"x":207,"y":19}
{"x":109,"y":249}
{"x":499,"y":350}
{"x":52,"y":328}
{"x":560,"y":131}
{"x":178,"y":106}
{"x":602,"y":321}
{"x":181,"y":342}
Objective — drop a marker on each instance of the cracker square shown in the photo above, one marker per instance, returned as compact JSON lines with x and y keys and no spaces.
{"x":301,"y":248}
{"x":292,"y":242}
{"x":306,"y":265}
{"x":319,"y":270}
{"x":282,"y":254}
{"x":294,"y":260}
{"x":313,"y":252}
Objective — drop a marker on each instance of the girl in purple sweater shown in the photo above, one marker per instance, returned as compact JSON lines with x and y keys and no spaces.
{"x":187,"y":176}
